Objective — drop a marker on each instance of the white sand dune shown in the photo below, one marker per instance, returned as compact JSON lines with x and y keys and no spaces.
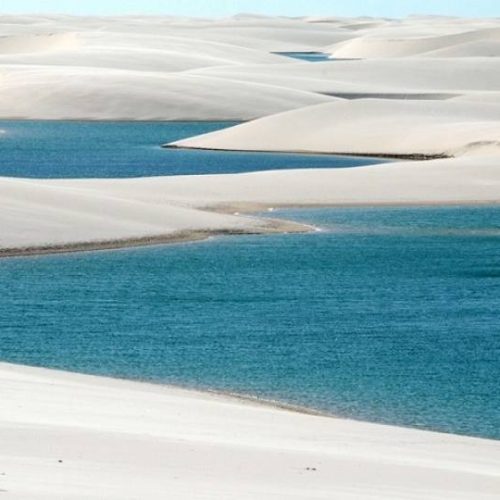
{"x":41,"y":213}
{"x":367,"y":126}
{"x":403,"y":76}
{"x":466,"y":179}
{"x":478,"y":48}
{"x":102,"y":94}
{"x":139,"y":51}
{"x":387,"y":44}
{"x":273,"y":34}
{"x":482,"y":97}
{"x":26,"y":44}
{"x":135,"y":68}
{"x":81,"y":437}
{"x":163,"y":68}
{"x":36,"y":214}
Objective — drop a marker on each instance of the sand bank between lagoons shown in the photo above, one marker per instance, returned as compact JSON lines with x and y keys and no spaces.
{"x":57,"y":215}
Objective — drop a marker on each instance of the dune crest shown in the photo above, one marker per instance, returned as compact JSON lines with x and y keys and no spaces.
{"x":38,"y":43}
{"x":479,"y":42}
{"x":167,"y":68}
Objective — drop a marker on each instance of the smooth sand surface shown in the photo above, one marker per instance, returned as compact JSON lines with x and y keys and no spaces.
{"x":368,"y":126}
{"x":169,"y":68}
{"x":400,"y":77}
{"x":113,"y":94}
{"x":61,"y":67}
{"x":72,"y":436}
{"x":54,"y":213}
{"x":45,"y":213}
{"x":424,"y":37}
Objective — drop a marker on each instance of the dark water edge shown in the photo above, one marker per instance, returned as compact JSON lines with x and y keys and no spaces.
{"x":387,"y":315}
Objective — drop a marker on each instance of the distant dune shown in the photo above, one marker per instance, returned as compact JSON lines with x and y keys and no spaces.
{"x":384,"y":76}
{"x":144,"y":68}
{"x":38,"y":43}
{"x":137,"y":68}
{"x":385,"y":43}
{"x":62,"y":92}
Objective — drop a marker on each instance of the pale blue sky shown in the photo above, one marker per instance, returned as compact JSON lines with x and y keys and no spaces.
{"x":219,"y":8}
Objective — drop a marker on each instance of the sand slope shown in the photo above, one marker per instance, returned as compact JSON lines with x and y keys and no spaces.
{"x":408,"y":43}
{"x":42,"y":43}
{"x":40,"y":213}
{"x":169,"y":68}
{"x":80,"y":437}
{"x":83,"y":93}
{"x":391,"y":127}
{"x":399,"y":76}
{"x":136,"y":68}
{"x":35,"y":214}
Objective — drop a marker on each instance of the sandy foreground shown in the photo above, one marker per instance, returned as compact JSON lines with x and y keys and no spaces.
{"x":69,"y":436}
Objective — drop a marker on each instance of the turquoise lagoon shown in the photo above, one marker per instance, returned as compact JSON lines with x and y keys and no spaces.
{"x":307,"y":56}
{"x":57,"y":149}
{"x":389,"y":315}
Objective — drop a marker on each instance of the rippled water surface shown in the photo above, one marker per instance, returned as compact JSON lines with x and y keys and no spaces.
{"x":389,"y":315}
{"x":57,"y":149}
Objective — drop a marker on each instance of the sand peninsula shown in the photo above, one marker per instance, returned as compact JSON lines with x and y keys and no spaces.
{"x":422,"y":87}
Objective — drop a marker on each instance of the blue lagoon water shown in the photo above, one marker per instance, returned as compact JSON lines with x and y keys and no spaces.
{"x":307,"y":56}
{"x":388,"y":314}
{"x":58,"y":149}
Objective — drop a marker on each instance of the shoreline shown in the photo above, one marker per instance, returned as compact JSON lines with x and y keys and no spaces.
{"x":233,"y":397}
{"x":272,"y":226}
{"x":381,"y":156}
{"x":250,"y":208}
{"x":119,"y":120}
{"x":128,"y":439}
